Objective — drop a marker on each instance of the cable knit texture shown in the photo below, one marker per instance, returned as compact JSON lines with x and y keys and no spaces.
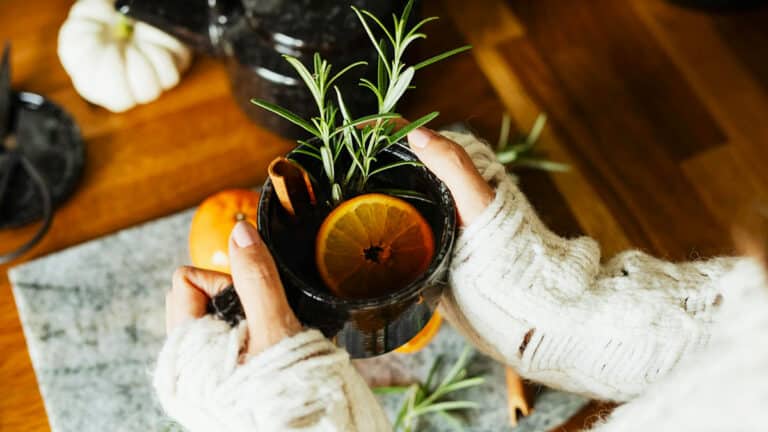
{"x":724,"y":388}
{"x":541,"y":303}
{"x":546,"y":306}
{"x":304,"y":383}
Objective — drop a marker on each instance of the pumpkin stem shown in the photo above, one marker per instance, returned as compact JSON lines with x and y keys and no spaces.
{"x":124,"y":28}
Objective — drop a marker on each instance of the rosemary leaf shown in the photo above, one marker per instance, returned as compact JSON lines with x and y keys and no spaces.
{"x":367,"y":119}
{"x":307,"y":77}
{"x":303,"y":143}
{"x":336,"y":194}
{"x":308,"y":153}
{"x":433,"y":371}
{"x":421,"y":23}
{"x":390,"y":390}
{"x":373,"y":39}
{"x":405,"y":130}
{"x":381,"y":25}
{"x":380,"y":73}
{"x":411,"y":38}
{"x":345,"y":70}
{"x":520,"y":152}
{"x":542,"y":164}
{"x":442,"y":56}
{"x":342,"y":106}
{"x":398,"y":89}
{"x":409,"y":402}
{"x":406,"y":11}
{"x":422,"y":399}
{"x":284,"y":113}
{"x":507,"y":156}
{"x":369,"y":85}
{"x":327,"y":158}
{"x":394,"y":165}
{"x":456,"y":369}
{"x":504,"y":133}
{"x":404,"y":193}
{"x":469,"y":382}
{"x":444,"y":406}
{"x":535,"y":133}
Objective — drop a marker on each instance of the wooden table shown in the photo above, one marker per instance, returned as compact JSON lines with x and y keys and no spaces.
{"x":661,"y":111}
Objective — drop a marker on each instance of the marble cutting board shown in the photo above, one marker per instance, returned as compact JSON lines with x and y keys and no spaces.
{"x":93,"y":320}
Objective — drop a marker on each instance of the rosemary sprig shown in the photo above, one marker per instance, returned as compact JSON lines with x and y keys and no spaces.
{"x":323,"y":126}
{"x":365,"y":137}
{"x":427,"y":398}
{"x":520,"y":152}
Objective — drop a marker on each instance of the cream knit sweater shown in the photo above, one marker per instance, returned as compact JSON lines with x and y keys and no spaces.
{"x":540,"y":303}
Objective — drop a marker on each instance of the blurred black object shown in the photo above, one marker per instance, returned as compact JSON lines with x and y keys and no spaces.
{"x":253,"y":36}
{"x":720,"y":5}
{"x":41,"y":157}
{"x":226,"y":306}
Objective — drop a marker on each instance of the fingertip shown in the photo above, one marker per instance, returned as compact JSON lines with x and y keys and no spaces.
{"x":244,"y":235}
{"x":419,"y":138}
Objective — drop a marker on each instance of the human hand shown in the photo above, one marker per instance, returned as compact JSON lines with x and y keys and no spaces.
{"x":268,"y":316}
{"x":451,"y":164}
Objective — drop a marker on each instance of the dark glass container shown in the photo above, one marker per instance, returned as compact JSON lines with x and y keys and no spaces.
{"x":367,"y":327}
{"x":253,"y":35}
{"x":299,"y":28}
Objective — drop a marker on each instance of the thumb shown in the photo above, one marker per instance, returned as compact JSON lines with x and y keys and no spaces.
{"x":257,"y":282}
{"x":451,"y":164}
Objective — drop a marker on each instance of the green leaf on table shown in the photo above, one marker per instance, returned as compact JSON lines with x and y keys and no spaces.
{"x":422,"y":399}
{"x":385,"y":390}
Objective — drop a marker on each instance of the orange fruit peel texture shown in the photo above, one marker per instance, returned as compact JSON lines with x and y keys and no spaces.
{"x":213,"y":222}
{"x":372,"y":245}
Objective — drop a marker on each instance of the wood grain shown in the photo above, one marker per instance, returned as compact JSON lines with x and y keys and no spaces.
{"x":660,"y":110}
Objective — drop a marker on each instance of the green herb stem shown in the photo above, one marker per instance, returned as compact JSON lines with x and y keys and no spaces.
{"x":362,"y":138}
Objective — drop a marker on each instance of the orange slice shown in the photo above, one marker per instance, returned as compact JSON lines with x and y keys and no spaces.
{"x":372,"y":245}
{"x":423,"y":337}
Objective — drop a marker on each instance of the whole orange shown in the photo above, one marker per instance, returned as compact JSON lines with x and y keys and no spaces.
{"x":213,"y":222}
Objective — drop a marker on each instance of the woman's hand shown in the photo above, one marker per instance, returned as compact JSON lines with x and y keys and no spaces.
{"x":449,"y":162}
{"x":255,"y":275}
{"x":257,"y":282}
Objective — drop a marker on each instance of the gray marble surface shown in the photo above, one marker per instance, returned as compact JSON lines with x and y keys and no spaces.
{"x":93,"y":318}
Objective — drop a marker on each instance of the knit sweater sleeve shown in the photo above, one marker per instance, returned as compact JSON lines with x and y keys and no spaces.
{"x":547,"y":306}
{"x":303,"y":383}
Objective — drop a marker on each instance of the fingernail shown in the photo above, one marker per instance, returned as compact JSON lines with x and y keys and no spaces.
{"x":420,"y":137}
{"x":244,"y":234}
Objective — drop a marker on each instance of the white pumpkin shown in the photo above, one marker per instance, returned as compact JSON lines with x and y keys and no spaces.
{"x":116,"y":62}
